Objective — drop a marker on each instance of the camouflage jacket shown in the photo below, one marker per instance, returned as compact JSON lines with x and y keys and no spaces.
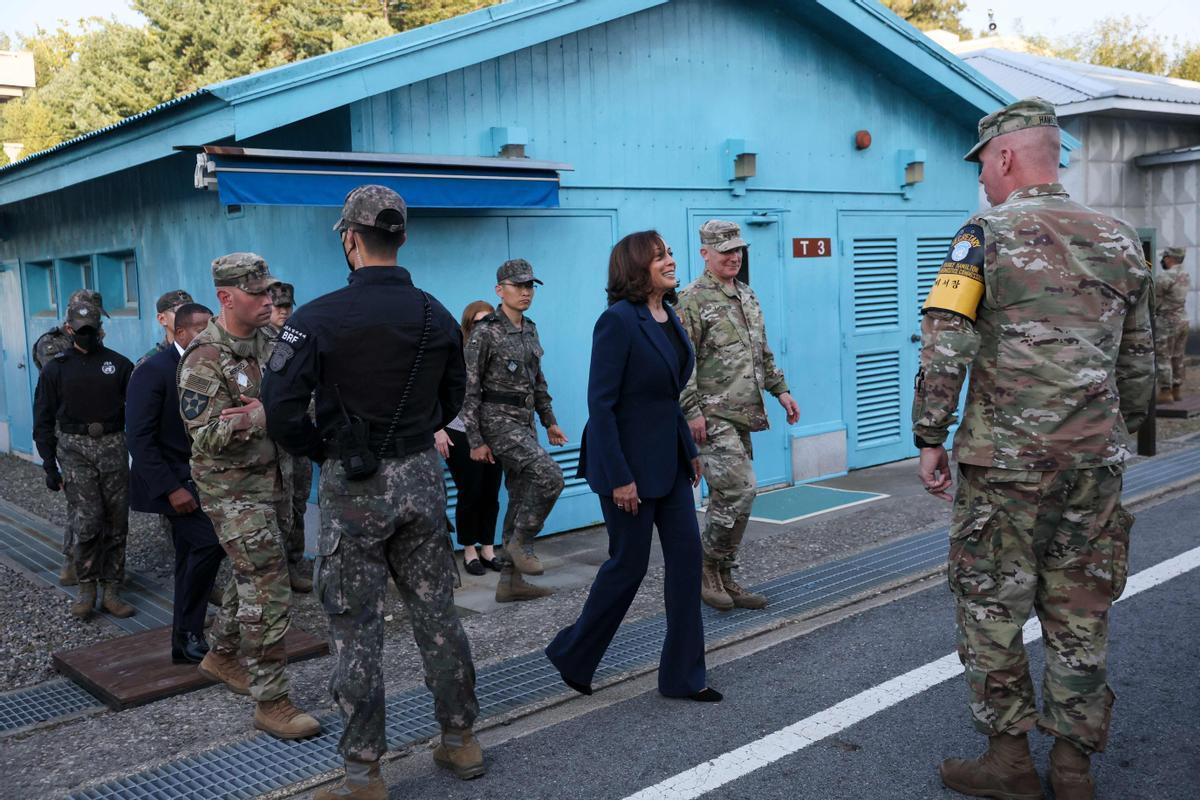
{"x":49,"y":344}
{"x":153,"y":351}
{"x":214,"y":371}
{"x":1171,"y":291}
{"x":505,"y":359}
{"x":1061,"y":355}
{"x":734,"y":363}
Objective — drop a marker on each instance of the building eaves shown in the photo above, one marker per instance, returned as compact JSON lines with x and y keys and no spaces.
{"x":1177,"y":155}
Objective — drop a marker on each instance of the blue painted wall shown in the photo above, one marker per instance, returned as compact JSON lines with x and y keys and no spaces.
{"x":641,"y":107}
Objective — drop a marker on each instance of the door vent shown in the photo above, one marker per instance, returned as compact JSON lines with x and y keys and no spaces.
{"x":877,"y":398}
{"x":876,"y":284}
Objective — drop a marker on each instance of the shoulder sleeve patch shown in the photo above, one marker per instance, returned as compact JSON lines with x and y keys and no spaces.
{"x":199,"y":384}
{"x":280,"y":356}
{"x":959,"y":285}
{"x":292,"y":337}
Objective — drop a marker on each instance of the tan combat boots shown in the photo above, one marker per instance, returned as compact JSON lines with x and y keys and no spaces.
{"x":741,"y":597}
{"x":227,"y":669}
{"x":1005,"y":771}
{"x":512,"y":587}
{"x":86,"y":602}
{"x":283,"y":720}
{"x":712,"y":591}
{"x":362,"y":782}
{"x":1070,"y":772}
{"x":460,"y":752}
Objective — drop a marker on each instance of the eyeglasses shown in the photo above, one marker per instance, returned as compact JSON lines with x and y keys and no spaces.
{"x":522,"y":287}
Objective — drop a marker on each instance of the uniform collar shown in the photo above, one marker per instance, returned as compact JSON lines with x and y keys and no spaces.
{"x":1038,"y":190}
{"x":509,"y":327}
{"x":711,"y":281}
{"x":374,"y":276}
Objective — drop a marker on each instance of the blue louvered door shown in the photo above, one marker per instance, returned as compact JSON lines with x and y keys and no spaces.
{"x":888,"y":263}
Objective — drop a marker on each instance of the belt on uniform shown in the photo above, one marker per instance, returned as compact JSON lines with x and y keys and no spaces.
{"x":399,"y":448}
{"x":93,"y":429}
{"x":506,"y":399}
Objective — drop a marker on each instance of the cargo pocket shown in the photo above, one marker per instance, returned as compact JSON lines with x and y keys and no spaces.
{"x":972,"y":562}
{"x":1119,"y":526}
{"x":328,"y":577}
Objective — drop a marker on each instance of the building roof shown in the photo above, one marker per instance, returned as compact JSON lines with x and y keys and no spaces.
{"x":1177,"y":155}
{"x":1078,"y":88}
{"x":243,"y":107}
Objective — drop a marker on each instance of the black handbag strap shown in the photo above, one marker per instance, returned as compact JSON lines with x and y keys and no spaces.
{"x":412,"y":375}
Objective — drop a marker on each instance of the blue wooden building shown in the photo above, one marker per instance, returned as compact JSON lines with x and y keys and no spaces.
{"x":547,"y":129}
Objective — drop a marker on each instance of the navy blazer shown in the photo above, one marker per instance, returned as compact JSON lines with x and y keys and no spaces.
{"x":158,"y":444}
{"x":635,"y":429}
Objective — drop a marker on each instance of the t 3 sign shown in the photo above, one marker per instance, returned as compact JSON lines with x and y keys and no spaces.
{"x":812,"y":248}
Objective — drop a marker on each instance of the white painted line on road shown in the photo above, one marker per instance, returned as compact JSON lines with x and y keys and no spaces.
{"x":723,"y":769}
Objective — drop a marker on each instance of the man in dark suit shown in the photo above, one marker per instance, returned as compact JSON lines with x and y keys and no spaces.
{"x":160,"y":482}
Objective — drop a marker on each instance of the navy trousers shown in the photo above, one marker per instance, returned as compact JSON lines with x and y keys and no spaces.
{"x":198,"y":556}
{"x":577,"y":650}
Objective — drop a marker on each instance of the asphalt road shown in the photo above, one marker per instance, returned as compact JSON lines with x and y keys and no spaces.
{"x":620,"y":749}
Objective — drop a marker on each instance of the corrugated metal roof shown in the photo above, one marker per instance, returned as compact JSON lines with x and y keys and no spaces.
{"x":1063,"y":82}
{"x":175,"y":103}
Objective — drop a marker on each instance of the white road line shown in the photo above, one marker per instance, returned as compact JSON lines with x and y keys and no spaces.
{"x":723,"y":769}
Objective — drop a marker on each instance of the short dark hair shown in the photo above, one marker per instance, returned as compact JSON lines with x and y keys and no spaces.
{"x":189,"y":311}
{"x":377,"y":240}
{"x":629,"y":266}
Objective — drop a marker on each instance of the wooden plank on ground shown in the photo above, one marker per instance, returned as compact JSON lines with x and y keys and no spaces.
{"x":1186,"y":408}
{"x":135,"y":670}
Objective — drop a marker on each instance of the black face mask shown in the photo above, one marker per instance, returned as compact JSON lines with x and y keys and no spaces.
{"x":87,"y":339}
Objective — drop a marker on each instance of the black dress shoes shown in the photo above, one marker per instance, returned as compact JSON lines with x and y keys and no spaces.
{"x":187,"y":648}
{"x":491,"y":563}
{"x":582,"y":688}
{"x":707,"y":695}
{"x":475,"y":567}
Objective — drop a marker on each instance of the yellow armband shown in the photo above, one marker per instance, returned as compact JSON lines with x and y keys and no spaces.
{"x":959,"y":286}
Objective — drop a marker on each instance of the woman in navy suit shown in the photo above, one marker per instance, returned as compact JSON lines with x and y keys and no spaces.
{"x":638,"y":455}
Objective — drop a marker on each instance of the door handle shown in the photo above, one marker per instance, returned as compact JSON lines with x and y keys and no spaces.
{"x":915,"y":338}
{"x":20,"y":365}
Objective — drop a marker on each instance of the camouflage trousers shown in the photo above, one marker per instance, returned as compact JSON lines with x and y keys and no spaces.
{"x":533,"y":479}
{"x":1056,"y":543}
{"x":1170,"y":345}
{"x":393,"y":523}
{"x":256,"y":606}
{"x":729,"y":471}
{"x":96,"y":483}
{"x":293,"y":537}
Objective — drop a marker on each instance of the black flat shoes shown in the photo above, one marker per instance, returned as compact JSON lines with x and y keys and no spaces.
{"x":707,"y":695}
{"x":474,"y":567}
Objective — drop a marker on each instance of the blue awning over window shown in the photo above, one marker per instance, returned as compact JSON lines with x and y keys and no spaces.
{"x":245,"y":176}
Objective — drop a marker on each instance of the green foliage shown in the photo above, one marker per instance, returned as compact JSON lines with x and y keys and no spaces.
{"x":95,"y":72}
{"x":1125,"y":43}
{"x":1187,"y":63}
{"x":932,"y":14}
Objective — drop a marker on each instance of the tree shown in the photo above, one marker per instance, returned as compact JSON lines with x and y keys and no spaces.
{"x":1187,"y":64}
{"x":932,"y":14}
{"x":98,"y":71}
{"x":1124,"y":43}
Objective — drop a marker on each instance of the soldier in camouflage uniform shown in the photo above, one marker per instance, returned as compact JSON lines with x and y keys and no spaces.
{"x":1171,"y":324}
{"x":505,"y":388}
{"x":723,"y":403}
{"x":237,"y":471}
{"x":79,"y":424}
{"x":57,"y":339}
{"x":283,"y":298}
{"x":165,"y":308}
{"x":1047,"y":304}
{"x":45,"y":348}
{"x":385,"y":360}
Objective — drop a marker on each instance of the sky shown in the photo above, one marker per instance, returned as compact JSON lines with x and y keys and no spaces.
{"x":1170,"y":18}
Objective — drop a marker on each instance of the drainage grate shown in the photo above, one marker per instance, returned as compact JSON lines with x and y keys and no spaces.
{"x":35,"y":545}
{"x":22,"y":708}
{"x":263,"y":764}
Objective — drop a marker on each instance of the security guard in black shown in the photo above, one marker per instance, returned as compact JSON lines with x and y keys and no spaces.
{"x":84,"y":393}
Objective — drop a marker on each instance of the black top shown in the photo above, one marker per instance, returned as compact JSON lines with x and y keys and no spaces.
{"x":79,"y":389}
{"x":363,"y":340}
{"x":681,"y":349}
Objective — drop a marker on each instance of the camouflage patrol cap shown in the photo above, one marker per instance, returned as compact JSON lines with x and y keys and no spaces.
{"x":172,"y":299}
{"x":516,"y":270}
{"x":1177,"y":253}
{"x":245,"y":271}
{"x":92,"y":298}
{"x":366,"y":205}
{"x":722,"y":236}
{"x":283,"y":294}
{"x":1032,"y":112}
{"x":82,"y":315}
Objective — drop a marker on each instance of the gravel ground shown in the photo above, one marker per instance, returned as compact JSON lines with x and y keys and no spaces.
{"x":59,"y":759}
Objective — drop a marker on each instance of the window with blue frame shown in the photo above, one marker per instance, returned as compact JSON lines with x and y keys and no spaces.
{"x":74,"y":274}
{"x":41,"y":290}
{"x":117,"y":282}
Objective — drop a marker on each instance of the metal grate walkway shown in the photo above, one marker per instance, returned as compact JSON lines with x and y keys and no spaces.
{"x":35,"y":545}
{"x":23,"y":708}
{"x":263,"y":764}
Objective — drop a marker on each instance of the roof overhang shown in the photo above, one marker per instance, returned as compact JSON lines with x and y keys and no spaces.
{"x":1130,"y":107}
{"x":1180,"y":155}
{"x":249,"y":176}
